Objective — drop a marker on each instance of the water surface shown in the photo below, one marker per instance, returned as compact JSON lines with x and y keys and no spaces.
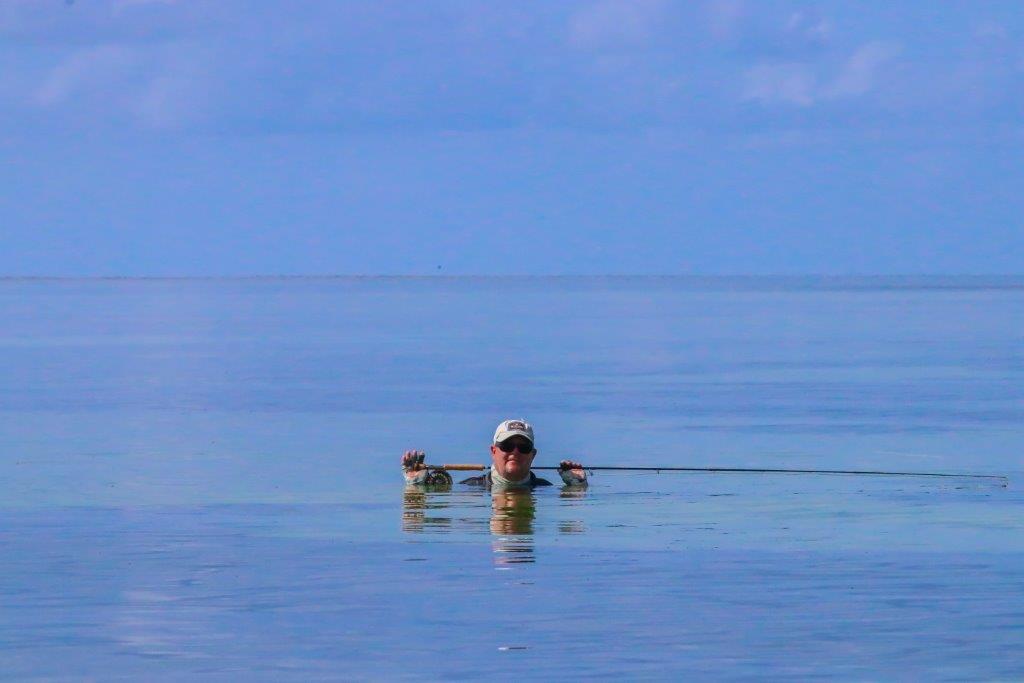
{"x":200,"y":477}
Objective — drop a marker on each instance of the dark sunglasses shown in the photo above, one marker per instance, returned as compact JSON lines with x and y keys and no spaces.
{"x":508,"y":445}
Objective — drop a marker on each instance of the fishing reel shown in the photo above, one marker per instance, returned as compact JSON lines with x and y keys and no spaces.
{"x":434,"y":477}
{"x":438,"y":478}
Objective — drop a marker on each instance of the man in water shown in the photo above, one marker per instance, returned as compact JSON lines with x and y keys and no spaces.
{"x":512,"y":454}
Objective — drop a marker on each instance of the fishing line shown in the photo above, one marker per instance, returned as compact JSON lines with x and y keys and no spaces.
{"x":747,"y":470}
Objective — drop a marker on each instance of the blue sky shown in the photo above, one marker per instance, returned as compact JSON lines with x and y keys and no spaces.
{"x":220,"y":137}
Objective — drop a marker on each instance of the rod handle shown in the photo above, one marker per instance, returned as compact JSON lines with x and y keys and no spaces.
{"x":459,"y":468}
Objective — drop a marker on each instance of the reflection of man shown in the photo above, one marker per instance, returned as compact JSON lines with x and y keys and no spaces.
{"x":512,"y":513}
{"x":512,"y":454}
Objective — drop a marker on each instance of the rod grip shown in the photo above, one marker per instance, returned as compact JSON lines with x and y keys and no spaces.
{"x":465,"y":468}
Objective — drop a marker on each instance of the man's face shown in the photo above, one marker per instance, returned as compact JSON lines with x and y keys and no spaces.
{"x":515,"y":463}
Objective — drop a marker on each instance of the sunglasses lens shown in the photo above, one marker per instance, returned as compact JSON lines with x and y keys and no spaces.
{"x":509,"y":446}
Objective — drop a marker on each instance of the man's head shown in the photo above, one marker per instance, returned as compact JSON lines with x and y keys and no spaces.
{"x":512,"y":449}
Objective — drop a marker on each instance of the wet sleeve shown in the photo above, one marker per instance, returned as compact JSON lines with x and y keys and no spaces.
{"x":571,"y":479}
{"x":415,"y":476}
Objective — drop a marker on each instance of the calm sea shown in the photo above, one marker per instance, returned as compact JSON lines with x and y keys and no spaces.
{"x":199,"y":479}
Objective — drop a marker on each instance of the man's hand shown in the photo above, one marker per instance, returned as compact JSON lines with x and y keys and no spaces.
{"x":413,"y":468}
{"x":572,"y":473}
{"x":413,"y":460}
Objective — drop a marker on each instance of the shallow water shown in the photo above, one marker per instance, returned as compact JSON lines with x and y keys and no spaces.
{"x":200,"y":477}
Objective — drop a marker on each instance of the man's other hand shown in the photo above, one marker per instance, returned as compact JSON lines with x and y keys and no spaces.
{"x":572,"y":473}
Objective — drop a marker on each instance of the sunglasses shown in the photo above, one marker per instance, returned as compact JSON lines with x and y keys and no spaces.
{"x":508,"y":445}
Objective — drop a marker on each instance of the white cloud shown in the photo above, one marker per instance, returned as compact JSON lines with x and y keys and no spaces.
{"x":723,"y":17}
{"x":151,"y":86}
{"x":120,"y":4}
{"x":614,"y":23}
{"x":122,"y":7}
{"x":780,"y":83}
{"x":176,"y":94}
{"x":87,"y":70}
{"x":797,"y":83}
{"x":858,"y":73}
{"x":810,"y":26}
{"x":990,"y":30}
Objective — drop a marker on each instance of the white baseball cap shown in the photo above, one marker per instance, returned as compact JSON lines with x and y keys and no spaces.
{"x":510,"y":428}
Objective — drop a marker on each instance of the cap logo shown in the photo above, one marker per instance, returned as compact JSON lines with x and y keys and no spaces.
{"x":515,"y":424}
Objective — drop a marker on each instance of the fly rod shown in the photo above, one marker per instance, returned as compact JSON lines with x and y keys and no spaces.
{"x":748,"y":470}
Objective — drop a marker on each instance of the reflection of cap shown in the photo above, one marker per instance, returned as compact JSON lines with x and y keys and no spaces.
{"x":513,"y":428}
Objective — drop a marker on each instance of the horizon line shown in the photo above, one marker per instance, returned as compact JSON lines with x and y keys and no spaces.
{"x":807,"y":281}
{"x":803,"y":277}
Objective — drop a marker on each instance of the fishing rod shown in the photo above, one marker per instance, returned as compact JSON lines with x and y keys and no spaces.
{"x":747,"y":470}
